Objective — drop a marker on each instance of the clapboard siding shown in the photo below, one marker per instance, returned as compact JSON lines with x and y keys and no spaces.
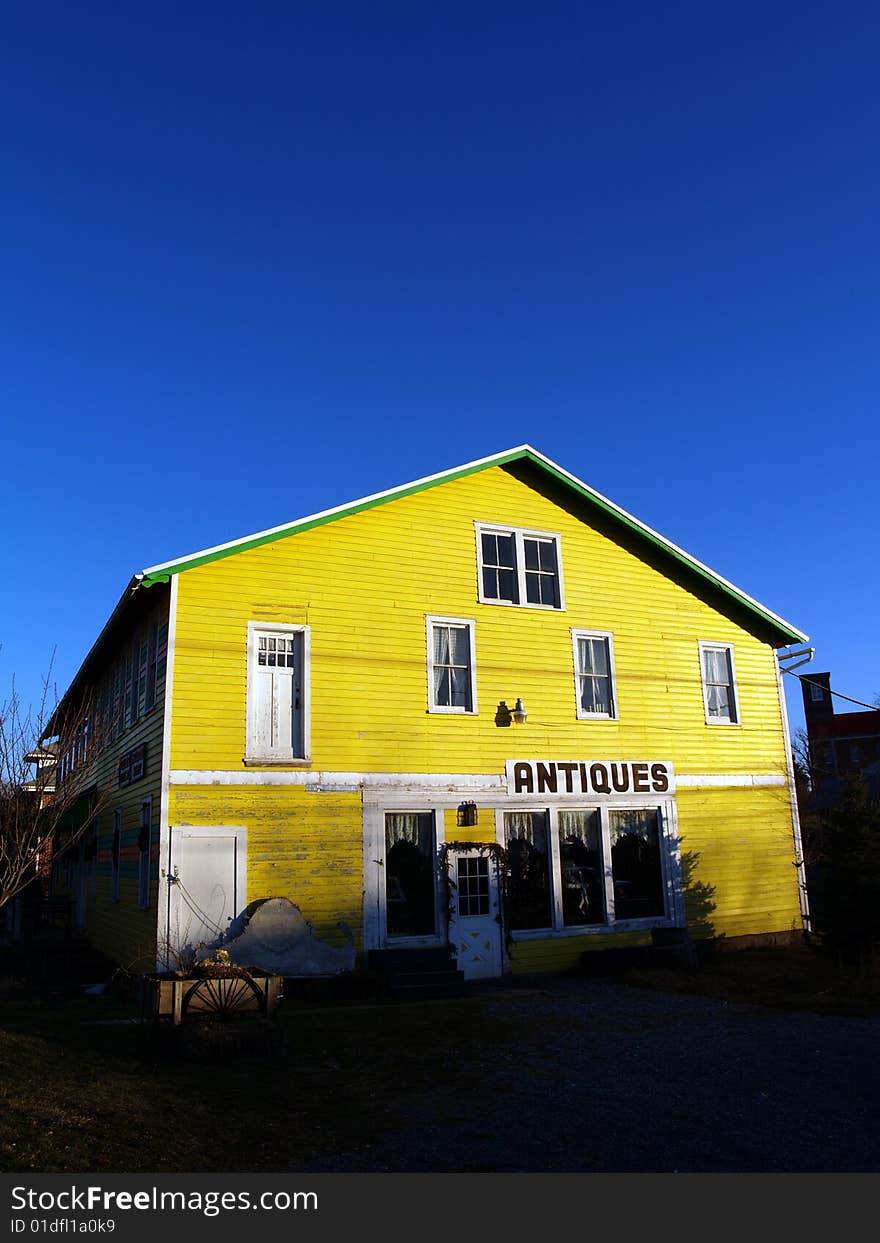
{"x":301,"y":846}
{"x":120,"y":928}
{"x":364,"y":585}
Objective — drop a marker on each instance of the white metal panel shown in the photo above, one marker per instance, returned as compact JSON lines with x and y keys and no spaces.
{"x":206,"y":880}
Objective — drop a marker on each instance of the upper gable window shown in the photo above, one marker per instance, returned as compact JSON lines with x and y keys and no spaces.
{"x":719,"y":683}
{"x":277,"y":693}
{"x":519,"y":567}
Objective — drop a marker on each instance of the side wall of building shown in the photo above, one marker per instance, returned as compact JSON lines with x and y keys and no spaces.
{"x":110,"y":902}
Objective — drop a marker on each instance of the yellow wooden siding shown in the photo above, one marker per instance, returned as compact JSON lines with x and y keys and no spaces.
{"x":364,"y":585}
{"x":738,"y":845}
{"x":302,"y":846}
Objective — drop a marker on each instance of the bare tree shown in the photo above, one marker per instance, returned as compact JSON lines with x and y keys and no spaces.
{"x":48,"y":795}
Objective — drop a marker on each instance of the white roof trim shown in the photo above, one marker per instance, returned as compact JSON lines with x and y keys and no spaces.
{"x":437,"y":477}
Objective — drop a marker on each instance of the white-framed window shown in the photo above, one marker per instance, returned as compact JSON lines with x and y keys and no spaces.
{"x":152,"y":646}
{"x":277,"y":693}
{"x":519,"y":566}
{"x":157,"y":656}
{"x":719,"y":683}
{"x":145,"y":836}
{"x":115,"y":852}
{"x":583,"y":867}
{"x":451,"y":665}
{"x":594,"y":675}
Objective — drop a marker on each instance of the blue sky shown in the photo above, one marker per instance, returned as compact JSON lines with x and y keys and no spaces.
{"x":263,"y":259}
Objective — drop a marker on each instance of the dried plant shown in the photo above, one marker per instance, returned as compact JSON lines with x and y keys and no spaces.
{"x":48,"y":793}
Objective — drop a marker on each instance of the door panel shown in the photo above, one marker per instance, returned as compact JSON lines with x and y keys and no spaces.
{"x":206,"y":886}
{"x":474,"y":927}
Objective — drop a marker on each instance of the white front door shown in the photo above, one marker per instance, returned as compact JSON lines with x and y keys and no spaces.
{"x":474,"y":918}
{"x":206,"y":888}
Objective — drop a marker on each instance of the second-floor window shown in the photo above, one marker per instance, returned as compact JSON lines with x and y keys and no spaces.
{"x":719,"y":683}
{"x":519,"y":567}
{"x":277,"y":693}
{"x":594,"y":666}
{"x":451,"y":685}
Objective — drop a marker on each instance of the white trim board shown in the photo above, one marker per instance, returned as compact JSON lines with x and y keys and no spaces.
{"x":490,"y":783}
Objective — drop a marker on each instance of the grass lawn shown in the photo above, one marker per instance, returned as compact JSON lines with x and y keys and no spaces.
{"x":78,"y":1095}
{"x":798,"y":978}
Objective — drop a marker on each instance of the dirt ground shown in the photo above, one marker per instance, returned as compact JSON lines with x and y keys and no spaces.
{"x":618,"y":1079}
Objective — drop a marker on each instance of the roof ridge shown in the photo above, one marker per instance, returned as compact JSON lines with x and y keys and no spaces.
{"x":163,"y":571}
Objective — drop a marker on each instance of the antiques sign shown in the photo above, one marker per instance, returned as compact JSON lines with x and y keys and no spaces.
{"x":590,"y":777}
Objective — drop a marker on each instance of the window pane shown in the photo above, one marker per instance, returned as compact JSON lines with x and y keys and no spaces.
{"x":581,"y":865}
{"x":507,"y":586}
{"x":599,"y":653}
{"x":459,"y":646}
{"x":409,"y":874}
{"x":528,"y":883}
{"x":717,"y":666}
{"x":532,"y":559}
{"x":635,"y":864}
{"x":441,"y":645}
{"x":533,"y":589}
{"x":716,"y":698}
{"x":594,"y":695}
{"x":548,"y":556}
{"x":441,"y":687}
{"x":506,"y":550}
{"x":459,"y":681}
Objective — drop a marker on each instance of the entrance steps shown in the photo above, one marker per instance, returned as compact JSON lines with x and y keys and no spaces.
{"x":417,"y":974}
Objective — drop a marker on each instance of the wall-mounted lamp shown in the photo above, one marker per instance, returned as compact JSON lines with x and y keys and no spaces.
{"x":506,"y":716}
{"x":467,"y":815}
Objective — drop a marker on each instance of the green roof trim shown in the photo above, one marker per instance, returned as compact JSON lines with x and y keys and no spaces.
{"x":782,"y":629}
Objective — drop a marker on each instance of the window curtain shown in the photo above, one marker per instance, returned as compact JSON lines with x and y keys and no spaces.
{"x":409,"y":826}
{"x":526,"y":826}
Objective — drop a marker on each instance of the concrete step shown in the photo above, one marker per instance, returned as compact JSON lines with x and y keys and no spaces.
{"x":429,"y":958}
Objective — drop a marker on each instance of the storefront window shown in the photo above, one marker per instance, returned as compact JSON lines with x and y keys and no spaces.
{"x":580,"y":862}
{"x":635,"y":864}
{"x":528,"y":884}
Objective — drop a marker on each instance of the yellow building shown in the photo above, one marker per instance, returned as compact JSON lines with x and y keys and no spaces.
{"x":488,"y":709}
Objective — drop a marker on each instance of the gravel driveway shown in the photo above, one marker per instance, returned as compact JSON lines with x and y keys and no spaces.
{"x":616,"y":1079}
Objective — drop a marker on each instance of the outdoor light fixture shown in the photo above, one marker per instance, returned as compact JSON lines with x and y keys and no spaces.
{"x":467,"y":815}
{"x":519,"y":712}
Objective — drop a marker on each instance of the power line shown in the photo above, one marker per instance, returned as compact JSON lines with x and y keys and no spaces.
{"x":849,"y":699}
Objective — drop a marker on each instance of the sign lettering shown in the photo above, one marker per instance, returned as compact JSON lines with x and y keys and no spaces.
{"x":588,"y":777}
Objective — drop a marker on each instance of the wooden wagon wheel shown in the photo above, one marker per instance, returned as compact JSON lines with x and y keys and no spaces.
{"x":222,"y":997}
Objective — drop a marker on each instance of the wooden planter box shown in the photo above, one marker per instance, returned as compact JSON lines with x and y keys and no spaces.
{"x":175,"y":999}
